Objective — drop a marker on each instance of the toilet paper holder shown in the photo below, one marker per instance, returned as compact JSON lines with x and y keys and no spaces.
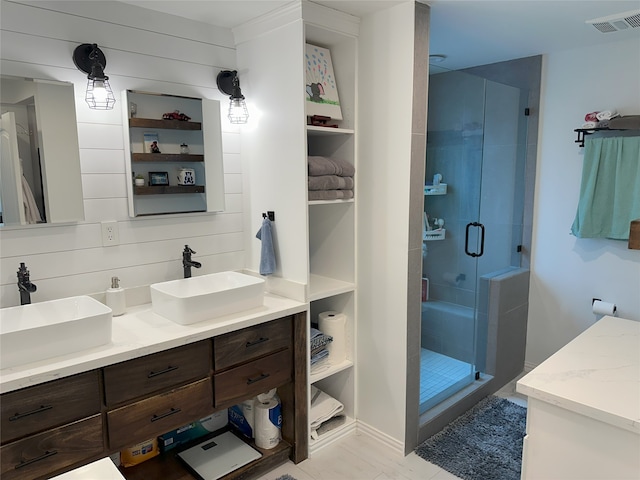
{"x":594,"y":300}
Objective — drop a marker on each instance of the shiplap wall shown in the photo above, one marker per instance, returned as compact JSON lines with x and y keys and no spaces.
{"x":148,"y":51}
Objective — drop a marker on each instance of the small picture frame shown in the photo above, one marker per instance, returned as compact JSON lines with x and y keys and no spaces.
{"x":158,"y":178}
{"x":151,"y":143}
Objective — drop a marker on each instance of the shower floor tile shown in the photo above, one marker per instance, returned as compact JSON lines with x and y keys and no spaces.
{"x":438,"y":374}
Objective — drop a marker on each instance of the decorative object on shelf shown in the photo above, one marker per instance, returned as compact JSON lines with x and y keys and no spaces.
{"x":151,"y":143}
{"x":139,"y":180}
{"x":229,"y":84}
{"x":89,"y":59}
{"x":321,"y":121}
{"x":321,"y":87}
{"x":186,"y":176}
{"x":184,"y":149}
{"x":158,"y":178}
{"x":176,"y":115}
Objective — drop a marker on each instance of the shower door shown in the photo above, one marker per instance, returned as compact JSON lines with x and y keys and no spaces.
{"x":475,"y":143}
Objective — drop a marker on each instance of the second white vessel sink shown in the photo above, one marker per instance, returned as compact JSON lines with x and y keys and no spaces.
{"x":191,"y":300}
{"x":34,"y":332}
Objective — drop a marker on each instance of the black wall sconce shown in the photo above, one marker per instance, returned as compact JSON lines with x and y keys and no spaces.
{"x":229,"y":84}
{"x":90,"y":60}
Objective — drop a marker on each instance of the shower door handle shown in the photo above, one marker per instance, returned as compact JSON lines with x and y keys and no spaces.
{"x":466,"y":240}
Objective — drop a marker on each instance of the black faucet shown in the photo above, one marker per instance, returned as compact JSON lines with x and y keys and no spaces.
{"x":25,"y":287}
{"x":187,"y":263}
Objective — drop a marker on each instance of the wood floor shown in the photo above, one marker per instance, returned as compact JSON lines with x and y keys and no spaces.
{"x":360,"y":457}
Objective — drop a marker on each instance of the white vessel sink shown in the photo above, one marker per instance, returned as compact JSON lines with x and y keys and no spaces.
{"x":191,"y":300}
{"x":38,"y":331}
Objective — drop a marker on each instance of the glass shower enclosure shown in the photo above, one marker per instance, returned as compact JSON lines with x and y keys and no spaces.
{"x":472,"y":222}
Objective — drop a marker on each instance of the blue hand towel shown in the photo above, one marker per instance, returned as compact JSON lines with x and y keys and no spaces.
{"x":267,"y":253}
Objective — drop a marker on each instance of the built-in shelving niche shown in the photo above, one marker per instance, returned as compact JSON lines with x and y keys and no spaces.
{"x":202,"y":133}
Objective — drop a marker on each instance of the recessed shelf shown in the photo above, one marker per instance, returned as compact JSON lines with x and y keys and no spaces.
{"x":166,"y":124}
{"x":314,"y":130}
{"x":330,"y":202}
{"x":316,"y":377}
{"x":166,"y":157}
{"x":323,"y":287}
{"x":347,"y":427}
{"x":168,"y":189}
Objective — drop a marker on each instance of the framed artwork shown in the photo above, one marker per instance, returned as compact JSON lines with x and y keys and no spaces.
{"x":321,"y":88}
{"x":158,"y":178}
{"x":151,"y":143}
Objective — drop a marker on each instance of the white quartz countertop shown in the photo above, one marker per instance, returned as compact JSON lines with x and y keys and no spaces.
{"x":141,"y":332}
{"x":597,"y":374}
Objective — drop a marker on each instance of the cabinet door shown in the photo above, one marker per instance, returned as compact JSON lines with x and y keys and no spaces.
{"x":155,"y":415}
{"x":153,"y":373}
{"x":48,"y":405}
{"x":52,"y":450}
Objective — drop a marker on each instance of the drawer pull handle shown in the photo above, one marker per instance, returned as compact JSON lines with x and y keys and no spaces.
{"x":47,"y":454}
{"x":257,"y":379}
{"x":260,"y":340}
{"x":173,"y":411}
{"x":41,"y":408}
{"x":166,"y":370}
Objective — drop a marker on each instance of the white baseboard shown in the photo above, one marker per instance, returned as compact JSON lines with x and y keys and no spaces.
{"x":366,"y":429}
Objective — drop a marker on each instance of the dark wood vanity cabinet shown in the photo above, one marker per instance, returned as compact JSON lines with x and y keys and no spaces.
{"x":56,"y":426}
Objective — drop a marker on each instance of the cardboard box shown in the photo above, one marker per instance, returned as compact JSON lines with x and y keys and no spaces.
{"x":139,"y":453}
{"x":193,"y":430}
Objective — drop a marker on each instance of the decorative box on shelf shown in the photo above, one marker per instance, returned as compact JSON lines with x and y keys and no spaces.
{"x":431,"y":235}
{"x":440,"y":189}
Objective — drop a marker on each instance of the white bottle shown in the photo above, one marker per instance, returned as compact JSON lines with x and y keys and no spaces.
{"x":115,"y":297}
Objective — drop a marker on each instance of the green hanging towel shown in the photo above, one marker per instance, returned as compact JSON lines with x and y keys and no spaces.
{"x":610,"y":189}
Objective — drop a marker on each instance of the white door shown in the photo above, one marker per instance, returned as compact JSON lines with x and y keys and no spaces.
{"x":10,"y":173}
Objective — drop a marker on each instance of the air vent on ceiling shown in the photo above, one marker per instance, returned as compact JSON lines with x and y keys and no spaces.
{"x":618,"y":22}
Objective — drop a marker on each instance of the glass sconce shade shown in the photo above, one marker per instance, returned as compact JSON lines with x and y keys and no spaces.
{"x":89,"y":59}
{"x":229,"y":84}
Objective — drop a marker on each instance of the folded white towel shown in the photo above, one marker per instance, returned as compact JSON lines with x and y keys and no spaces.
{"x":606,"y":115}
{"x":589,"y":125}
{"x":323,"y":407}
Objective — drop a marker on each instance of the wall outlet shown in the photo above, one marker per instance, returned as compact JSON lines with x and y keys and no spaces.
{"x":110,"y":234}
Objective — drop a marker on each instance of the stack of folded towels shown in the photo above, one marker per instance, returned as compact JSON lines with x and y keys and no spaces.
{"x":325,"y":413}
{"x":319,"y":352}
{"x":598,"y":119}
{"x":330,"y":178}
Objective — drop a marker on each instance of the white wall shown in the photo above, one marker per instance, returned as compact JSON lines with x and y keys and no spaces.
{"x":385,"y":113}
{"x":145,"y":50}
{"x":567,"y":272}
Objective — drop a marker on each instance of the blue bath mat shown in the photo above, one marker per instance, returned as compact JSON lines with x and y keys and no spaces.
{"x":485,"y":443}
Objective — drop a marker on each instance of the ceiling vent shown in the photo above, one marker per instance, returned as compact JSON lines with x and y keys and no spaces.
{"x":616,"y":23}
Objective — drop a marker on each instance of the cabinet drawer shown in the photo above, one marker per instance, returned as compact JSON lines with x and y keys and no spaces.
{"x":49,"y":405}
{"x":253,"y":378}
{"x":159,"y":371}
{"x":238,"y":347}
{"x":156,"y":415}
{"x":52,"y":450}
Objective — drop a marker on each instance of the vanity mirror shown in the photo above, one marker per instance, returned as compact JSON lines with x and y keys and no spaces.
{"x":40,"y":178}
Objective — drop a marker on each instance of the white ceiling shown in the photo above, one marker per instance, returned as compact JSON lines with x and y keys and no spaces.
{"x":469,"y":32}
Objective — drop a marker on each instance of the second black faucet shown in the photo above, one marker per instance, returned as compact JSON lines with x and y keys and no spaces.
{"x":187,"y":263}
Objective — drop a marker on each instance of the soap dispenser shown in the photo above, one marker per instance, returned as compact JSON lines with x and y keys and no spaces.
{"x":115,"y":297}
